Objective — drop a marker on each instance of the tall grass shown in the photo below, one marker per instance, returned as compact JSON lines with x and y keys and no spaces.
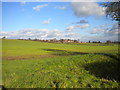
{"x":71,"y":66}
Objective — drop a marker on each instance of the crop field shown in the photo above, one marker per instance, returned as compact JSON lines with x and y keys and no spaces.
{"x":33,"y":64}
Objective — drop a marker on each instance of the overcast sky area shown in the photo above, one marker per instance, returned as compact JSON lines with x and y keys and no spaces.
{"x":61,"y":20}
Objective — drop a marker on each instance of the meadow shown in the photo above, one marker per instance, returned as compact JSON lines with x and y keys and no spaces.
{"x":33,"y":64}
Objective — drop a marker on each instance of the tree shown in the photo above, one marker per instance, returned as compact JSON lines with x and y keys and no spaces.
{"x":75,"y":41}
{"x":108,"y":41}
{"x":113,"y":9}
{"x":99,"y":42}
{"x":61,"y":40}
{"x":29,"y":38}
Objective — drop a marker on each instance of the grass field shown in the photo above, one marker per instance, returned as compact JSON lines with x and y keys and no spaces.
{"x":32,"y":64}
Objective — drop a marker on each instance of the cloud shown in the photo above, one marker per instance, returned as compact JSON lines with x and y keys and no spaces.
{"x":97,"y":34}
{"x":99,"y":38}
{"x":25,"y":33}
{"x":97,"y":31}
{"x":73,"y":35}
{"x":47,"y":21}
{"x":81,"y":22}
{"x":38,"y":7}
{"x":23,"y":2}
{"x":71,"y":28}
{"x":58,"y":34}
{"x":39,"y":0}
{"x":115,"y":29}
{"x":85,"y":9}
{"x":60,"y":7}
{"x":40,"y":34}
{"x":104,"y":25}
{"x":106,"y":31}
{"x":84,"y":26}
{"x":103,"y":33}
{"x":35,"y":33}
{"x":76,"y":27}
{"x":82,"y":0}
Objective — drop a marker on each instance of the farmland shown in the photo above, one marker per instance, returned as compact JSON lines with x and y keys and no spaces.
{"x":33,"y":64}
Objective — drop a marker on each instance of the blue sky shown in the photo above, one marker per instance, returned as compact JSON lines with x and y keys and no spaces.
{"x":56,"y":20}
{"x":17,"y":16}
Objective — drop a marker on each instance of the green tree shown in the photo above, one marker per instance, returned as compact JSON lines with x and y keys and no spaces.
{"x":113,"y":9}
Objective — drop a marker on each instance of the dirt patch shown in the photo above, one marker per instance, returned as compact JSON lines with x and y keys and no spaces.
{"x":28,"y":57}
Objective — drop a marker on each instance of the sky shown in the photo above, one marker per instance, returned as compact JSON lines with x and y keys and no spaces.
{"x":61,"y":20}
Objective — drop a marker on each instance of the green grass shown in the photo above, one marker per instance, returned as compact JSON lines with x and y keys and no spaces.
{"x":72,"y":65}
{"x":23,"y":48}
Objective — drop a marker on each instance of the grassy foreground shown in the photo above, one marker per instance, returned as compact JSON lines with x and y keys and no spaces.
{"x":68,"y":65}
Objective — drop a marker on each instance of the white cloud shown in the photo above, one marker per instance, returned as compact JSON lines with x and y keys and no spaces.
{"x":47,"y":21}
{"x":75,"y":27}
{"x":38,"y":7}
{"x":98,"y":34}
{"x":84,"y":26}
{"x":106,"y":31}
{"x":39,"y":34}
{"x":61,"y":7}
{"x":39,"y":0}
{"x":81,"y":0}
{"x":99,"y":38}
{"x":103,"y":33}
{"x":70,"y":28}
{"x":104,"y":25}
{"x":81,"y":22}
{"x":58,"y":34}
{"x":115,"y":29}
{"x":97,"y":31}
{"x":23,"y":2}
{"x":85,"y":9}
{"x":71,"y":35}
